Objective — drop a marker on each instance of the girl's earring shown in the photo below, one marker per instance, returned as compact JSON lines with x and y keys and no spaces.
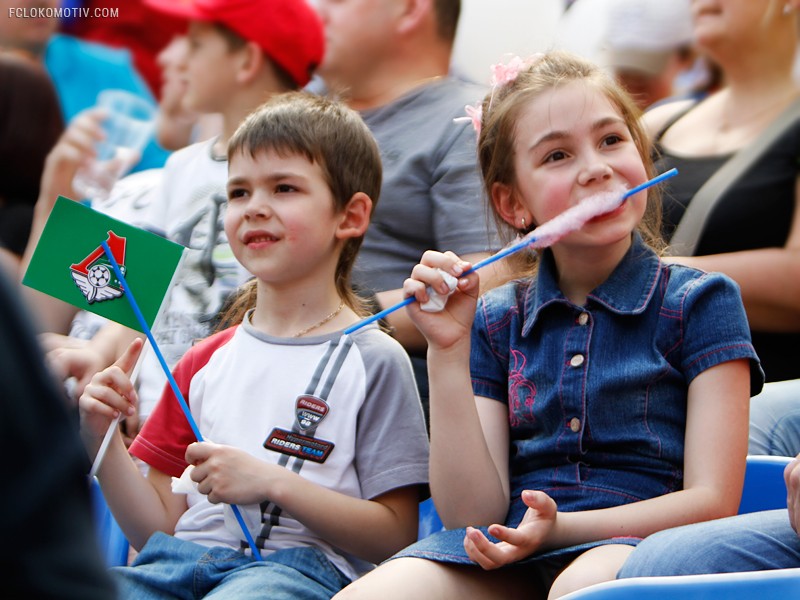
{"x":521,"y":230}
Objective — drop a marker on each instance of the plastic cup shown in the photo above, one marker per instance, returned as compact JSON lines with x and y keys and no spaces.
{"x":128,"y":123}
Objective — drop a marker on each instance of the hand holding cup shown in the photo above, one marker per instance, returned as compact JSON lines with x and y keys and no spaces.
{"x":128,"y":123}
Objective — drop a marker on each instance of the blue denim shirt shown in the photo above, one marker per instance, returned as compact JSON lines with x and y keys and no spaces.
{"x":597,"y":394}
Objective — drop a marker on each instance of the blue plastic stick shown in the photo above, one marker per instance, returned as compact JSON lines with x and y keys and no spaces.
{"x":173,"y":384}
{"x":501,"y":254}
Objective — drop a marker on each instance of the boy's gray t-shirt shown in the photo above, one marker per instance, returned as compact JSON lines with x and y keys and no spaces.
{"x":432,"y":195}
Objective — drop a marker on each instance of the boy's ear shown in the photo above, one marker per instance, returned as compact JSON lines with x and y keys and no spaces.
{"x":510,"y":209}
{"x":355,"y":217}
{"x":251,"y":61}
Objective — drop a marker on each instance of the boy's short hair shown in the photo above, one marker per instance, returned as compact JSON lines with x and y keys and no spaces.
{"x":328,"y":134}
{"x":325,"y":131}
{"x":289,"y":32}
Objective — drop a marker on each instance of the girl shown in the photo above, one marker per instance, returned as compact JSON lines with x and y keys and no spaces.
{"x":318,"y":436}
{"x":600,"y":398}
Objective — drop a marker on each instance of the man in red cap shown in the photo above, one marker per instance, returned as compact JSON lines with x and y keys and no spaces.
{"x":287,"y":31}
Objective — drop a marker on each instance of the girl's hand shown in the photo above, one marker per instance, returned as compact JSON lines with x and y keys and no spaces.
{"x":452,"y":324}
{"x":109,"y":394}
{"x":514,"y":544}
{"x":227,"y":474}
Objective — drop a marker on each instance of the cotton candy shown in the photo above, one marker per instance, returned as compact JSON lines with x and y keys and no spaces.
{"x":543,"y":236}
{"x":573,"y":219}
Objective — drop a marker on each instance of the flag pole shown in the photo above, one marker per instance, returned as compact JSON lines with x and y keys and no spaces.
{"x":173,"y":384}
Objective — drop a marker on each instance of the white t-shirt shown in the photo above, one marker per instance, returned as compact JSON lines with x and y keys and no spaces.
{"x":242,"y":387}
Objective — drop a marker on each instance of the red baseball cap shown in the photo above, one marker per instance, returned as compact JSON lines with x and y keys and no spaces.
{"x":288,"y":31}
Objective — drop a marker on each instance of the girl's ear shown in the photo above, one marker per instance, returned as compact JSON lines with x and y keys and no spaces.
{"x":510,"y":209}
{"x":251,"y":60}
{"x":355,"y":217}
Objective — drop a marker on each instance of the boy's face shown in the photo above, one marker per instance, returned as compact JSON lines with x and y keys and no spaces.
{"x":280,"y":219}
{"x":209,"y":69}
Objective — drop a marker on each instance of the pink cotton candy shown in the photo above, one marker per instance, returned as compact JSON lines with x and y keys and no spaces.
{"x":543,"y":236}
{"x":573,"y":218}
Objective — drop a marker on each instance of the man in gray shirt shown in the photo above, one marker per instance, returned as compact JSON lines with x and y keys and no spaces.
{"x":390,"y":60}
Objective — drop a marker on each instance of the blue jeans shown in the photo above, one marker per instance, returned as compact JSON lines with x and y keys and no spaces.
{"x":171,"y":568}
{"x":775,"y":419}
{"x":752,"y":542}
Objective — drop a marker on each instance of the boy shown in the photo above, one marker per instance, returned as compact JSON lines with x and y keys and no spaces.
{"x":319,"y":437}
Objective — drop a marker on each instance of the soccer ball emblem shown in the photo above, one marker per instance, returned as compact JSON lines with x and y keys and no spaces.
{"x":99,"y":276}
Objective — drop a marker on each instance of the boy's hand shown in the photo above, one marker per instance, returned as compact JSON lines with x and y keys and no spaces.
{"x":109,"y":394}
{"x":514,"y":544}
{"x":227,"y":474}
{"x":452,"y":324}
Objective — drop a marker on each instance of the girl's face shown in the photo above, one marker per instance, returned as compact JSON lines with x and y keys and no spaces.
{"x":280,"y":218}
{"x":571,"y":143}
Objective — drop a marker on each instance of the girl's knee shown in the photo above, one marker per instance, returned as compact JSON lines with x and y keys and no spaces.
{"x":385,"y":582}
{"x":593,"y":566}
{"x":406,"y":578}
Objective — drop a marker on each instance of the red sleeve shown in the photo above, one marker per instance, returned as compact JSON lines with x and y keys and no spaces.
{"x":163,"y":440}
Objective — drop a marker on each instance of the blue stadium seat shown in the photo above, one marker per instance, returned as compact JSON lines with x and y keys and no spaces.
{"x":112,"y":541}
{"x":761,"y":585}
{"x":764,"y":486}
{"x":429,"y":521}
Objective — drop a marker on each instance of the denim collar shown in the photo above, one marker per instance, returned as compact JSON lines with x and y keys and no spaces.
{"x":628,"y":289}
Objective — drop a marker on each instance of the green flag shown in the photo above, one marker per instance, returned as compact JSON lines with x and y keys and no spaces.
{"x":69,"y":263}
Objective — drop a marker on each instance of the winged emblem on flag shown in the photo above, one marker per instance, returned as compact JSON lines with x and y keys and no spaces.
{"x":95,"y":276}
